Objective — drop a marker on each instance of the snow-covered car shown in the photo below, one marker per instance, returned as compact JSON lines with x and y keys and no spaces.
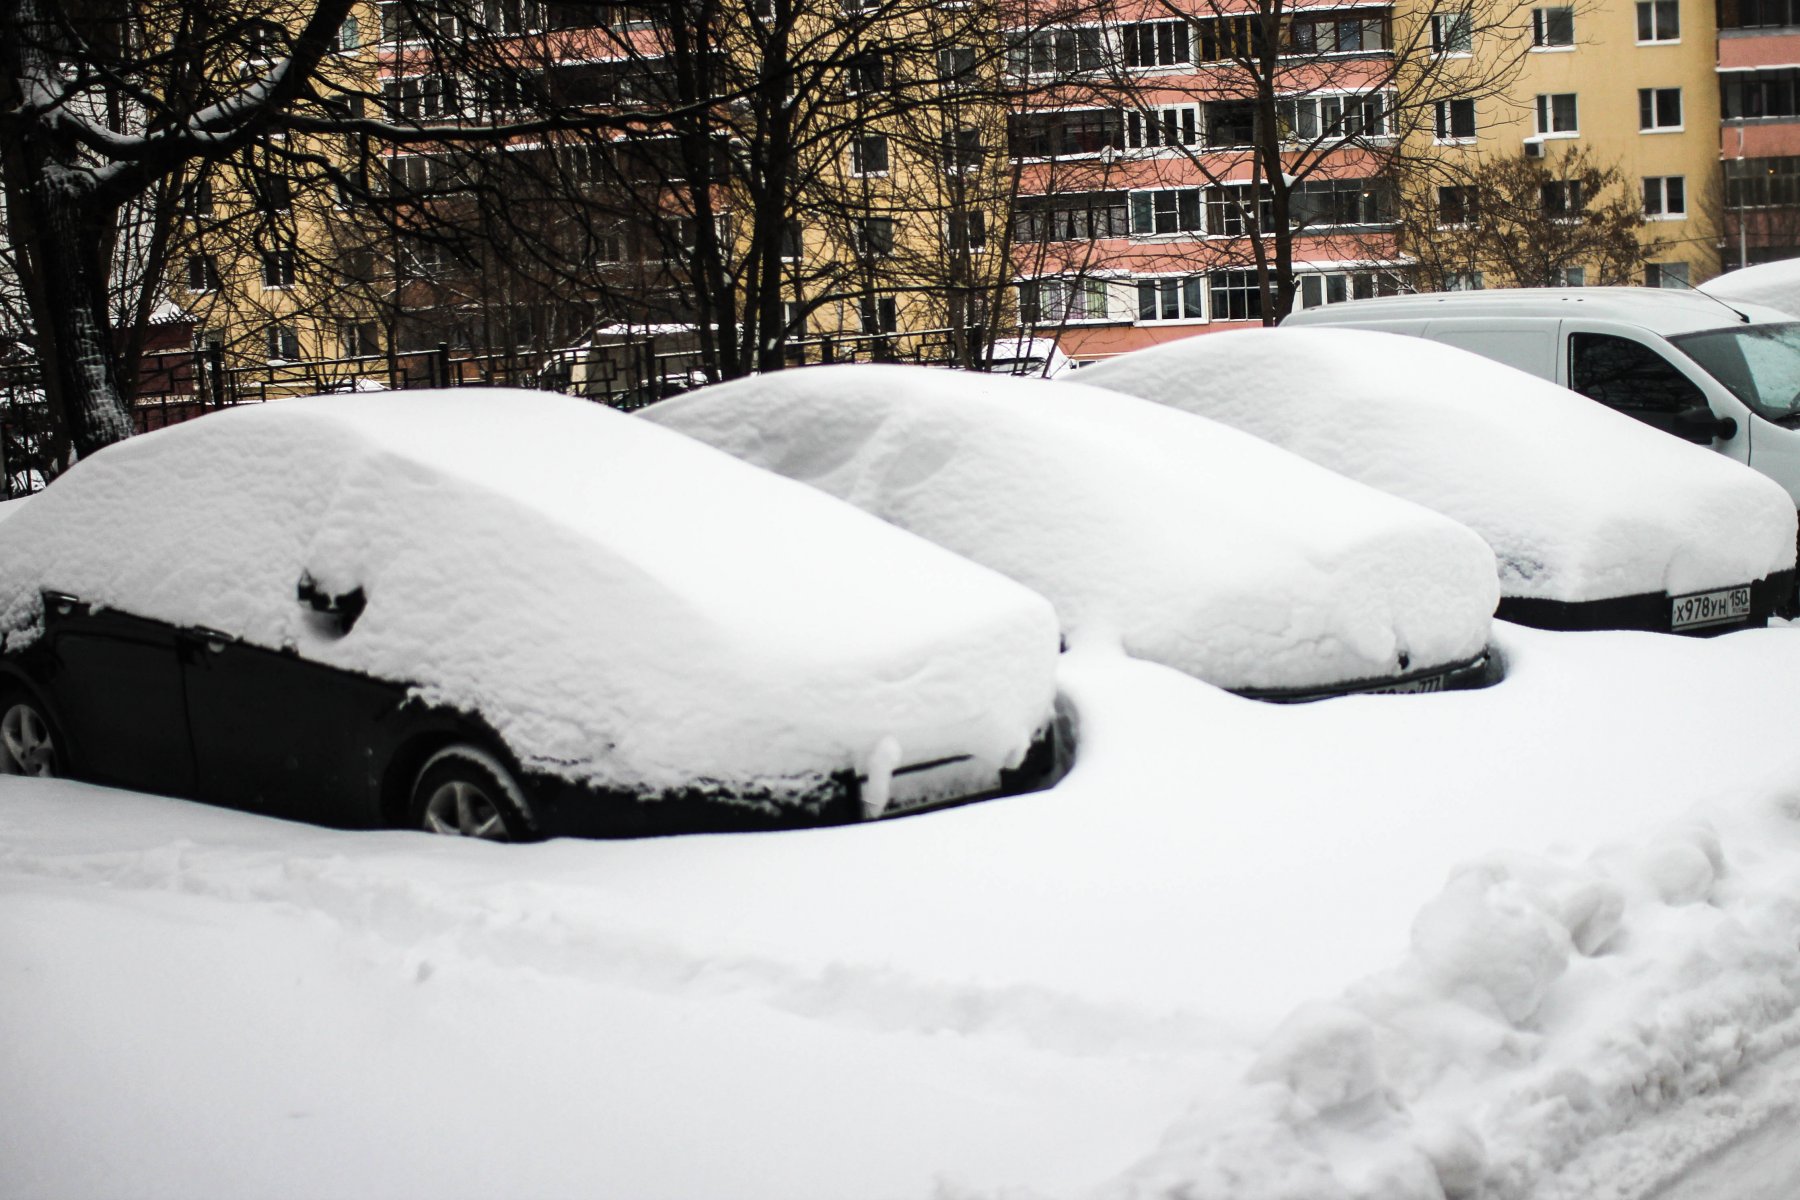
{"x":1194,"y":545}
{"x":505,"y":614}
{"x":1597,"y":521}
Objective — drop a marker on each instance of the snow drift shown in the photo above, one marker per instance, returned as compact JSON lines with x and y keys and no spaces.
{"x":1199,"y":547}
{"x":624,"y":606}
{"x":1775,"y":284}
{"x":1578,"y":502}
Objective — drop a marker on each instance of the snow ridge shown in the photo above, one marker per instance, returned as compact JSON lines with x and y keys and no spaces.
{"x":1544,"y":1010}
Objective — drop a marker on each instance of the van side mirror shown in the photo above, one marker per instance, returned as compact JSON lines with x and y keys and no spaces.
{"x":1698,"y":425}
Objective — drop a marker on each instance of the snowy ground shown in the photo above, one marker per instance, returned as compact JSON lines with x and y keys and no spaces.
{"x":1532,"y":941}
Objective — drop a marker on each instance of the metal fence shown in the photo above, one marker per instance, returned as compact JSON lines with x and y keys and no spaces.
{"x":625,"y":370}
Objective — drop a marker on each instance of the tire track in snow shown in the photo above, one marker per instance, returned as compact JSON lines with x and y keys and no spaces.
{"x":553,"y":929}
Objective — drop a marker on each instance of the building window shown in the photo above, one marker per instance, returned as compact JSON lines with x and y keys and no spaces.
{"x":1305,"y":119}
{"x":1228,"y":207}
{"x":1552,"y":28}
{"x":200,"y":200}
{"x":865,"y":72}
{"x":420,"y":96}
{"x":1659,"y":21}
{"x":791,"y":242}
{"x":1177,"y":126}
{"x":1761,"y":182}
{"x":1322,"y":202}
{"x":1770,"y":92}
{"x":1571,"y":277}
{"x":1337,"y":287}
{"x":1456,"y":205}
{"x":277,"y":268}
{"x":869,"y":154}
{"x":1178,"y":299}
{"x":1236,"y":296}
{"x":1053,"y":52}
{"x":956,"y":67}
{"x":1561,"y":198}
{"x":878,"y":314}
{"x":1757,"y":14}
{"x":1078,"y":216}
{"x":1455,"y":120}
{"x":283,"y":342}
{"x":1338,"y":33}
{"x":1172,"y":210}
{"x":1464,"y":281}
{"x":1659,"y":108}
{"x":1665,"y":197}
{"x":1156,"y":44}
{"x":1452,"y":33}
{"x":1225,"y":39}
{"x":361,"y":339}
{"x":349,"y":35}
{"x":960,"y":149}
{"x":1065,"y":133}
{"x":1054,"y":301}
{"x":966,"y":231}
{"x":1231,"y":123}
{"x":202,"y":273}
{"x":1556,"y":113}
{"x":875,"y":237}
{"x":274,"y":192}
{"x":1666,"y":275}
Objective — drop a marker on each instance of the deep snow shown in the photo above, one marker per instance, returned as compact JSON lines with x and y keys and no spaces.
{"x":1195,"y":545}
{"x":1578,"y":501}
{"x":1522,"y":942}
{"x":624,"y":606}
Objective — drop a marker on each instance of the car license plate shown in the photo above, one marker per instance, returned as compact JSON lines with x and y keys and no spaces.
{"x":1411,"y":687}
{"x":1709,"y":608}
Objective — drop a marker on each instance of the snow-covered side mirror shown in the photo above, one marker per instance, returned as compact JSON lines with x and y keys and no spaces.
{"x":340,"y":610}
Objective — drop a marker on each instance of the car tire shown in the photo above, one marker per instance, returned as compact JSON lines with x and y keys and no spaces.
{"x":28,"y":741}
{"x":464,"y":791}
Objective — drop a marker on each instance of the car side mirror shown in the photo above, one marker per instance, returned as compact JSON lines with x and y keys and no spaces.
{"x":1698,"y":425}
{"x":340,"y":609}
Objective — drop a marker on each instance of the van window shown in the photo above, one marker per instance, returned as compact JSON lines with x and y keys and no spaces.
{"x":1628,"y":376}
{"x":1759,"y":363}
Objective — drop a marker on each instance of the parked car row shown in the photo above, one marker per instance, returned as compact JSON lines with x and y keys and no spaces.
{"x":826,"y":595}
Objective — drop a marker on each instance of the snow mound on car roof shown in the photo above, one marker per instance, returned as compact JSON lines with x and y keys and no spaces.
{"x":1775,"y":284}
{"x":1197,"y":546}
{"x":1578,"y":502}
{"x":623,"y":605}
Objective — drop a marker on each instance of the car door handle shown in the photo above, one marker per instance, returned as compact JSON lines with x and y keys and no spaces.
{"x":212,"y":639}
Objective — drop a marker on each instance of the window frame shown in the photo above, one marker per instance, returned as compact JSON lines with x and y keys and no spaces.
{"x":1663,"y":211}
{"x":1544,"y":114}
{"x":1650,"y":106}
{"x":1541,"y":30}
{"x":1651,"y":9}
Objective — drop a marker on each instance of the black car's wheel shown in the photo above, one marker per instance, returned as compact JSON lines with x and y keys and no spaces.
{"x":466,"y":792}
{"x":27,"y":739}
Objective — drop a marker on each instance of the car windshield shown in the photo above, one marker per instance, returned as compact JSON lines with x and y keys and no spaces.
{"x":1759,"y":363}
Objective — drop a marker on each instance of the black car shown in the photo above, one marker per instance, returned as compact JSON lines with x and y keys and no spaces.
{"x":502,"y":615}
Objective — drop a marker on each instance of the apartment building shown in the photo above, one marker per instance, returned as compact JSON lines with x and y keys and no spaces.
{"x":1758,"y":205}
{"x":1633,"y":85}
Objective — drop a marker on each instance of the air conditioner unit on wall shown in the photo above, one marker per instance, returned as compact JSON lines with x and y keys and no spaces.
{"x":1534,"y":148}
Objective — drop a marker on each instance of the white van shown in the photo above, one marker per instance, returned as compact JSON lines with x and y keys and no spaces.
{"x":1724,"y":375}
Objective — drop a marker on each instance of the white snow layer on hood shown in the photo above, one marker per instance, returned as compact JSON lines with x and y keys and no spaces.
{"x":1195,"y":545}
{"x":1578,"y":502}
{"x":623,"y":605}
{"x":1775,"y":284}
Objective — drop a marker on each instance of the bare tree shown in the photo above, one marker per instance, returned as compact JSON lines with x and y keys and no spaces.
{"x":1529,"y":222}
{"x":1271,"y":128}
